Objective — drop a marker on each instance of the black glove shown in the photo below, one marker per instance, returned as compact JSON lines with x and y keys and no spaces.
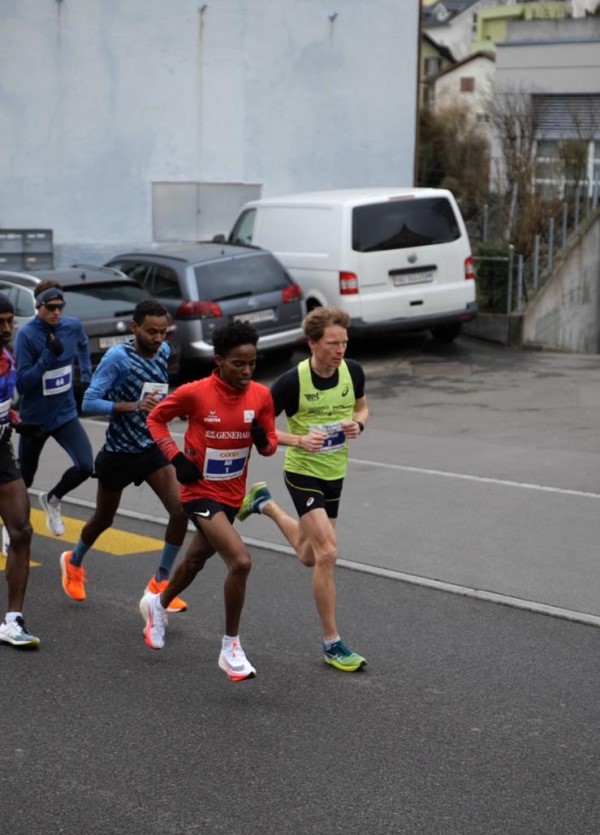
{"x":186,"y":470}
{"x":30,"y":430}
{"x":55,"y":345}
{"x":259,"y":436}
{"x":79,"y":390}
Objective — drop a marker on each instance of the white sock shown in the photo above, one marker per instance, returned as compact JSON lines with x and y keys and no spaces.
{"x":228,"y":640}
{"x":10,"y":616}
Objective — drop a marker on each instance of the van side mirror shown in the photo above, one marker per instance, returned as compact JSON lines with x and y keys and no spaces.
{"x":219,"y":239}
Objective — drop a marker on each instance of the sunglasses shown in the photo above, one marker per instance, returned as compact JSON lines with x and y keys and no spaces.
{"x":52,"y":306}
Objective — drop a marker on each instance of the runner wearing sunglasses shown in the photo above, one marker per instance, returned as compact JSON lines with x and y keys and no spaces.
{"x":46,"y":350}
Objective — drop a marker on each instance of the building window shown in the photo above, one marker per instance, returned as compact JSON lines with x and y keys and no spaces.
{"x":467,"y":85}
{"x":432,"y":66}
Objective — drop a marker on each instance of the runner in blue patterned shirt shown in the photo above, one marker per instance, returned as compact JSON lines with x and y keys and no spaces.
{"x":129,"y":381}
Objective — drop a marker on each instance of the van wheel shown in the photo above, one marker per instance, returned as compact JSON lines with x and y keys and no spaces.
{"x":311,"y":304}
{"x":446,"y":333}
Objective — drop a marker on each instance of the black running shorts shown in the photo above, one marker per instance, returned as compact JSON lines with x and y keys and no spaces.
{"x":206,"y":508}
{"x":9,"y":466}
{"x":117,"y":470}
{"x":309,"y":492}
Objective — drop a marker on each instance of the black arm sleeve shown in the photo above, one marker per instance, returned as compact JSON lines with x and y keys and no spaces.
{"x":358,"y":378}
{"x":286,"y":393}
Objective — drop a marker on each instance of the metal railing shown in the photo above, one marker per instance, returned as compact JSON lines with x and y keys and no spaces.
{"x":522,"y":274}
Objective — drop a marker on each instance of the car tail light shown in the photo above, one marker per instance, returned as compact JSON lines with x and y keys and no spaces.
{"x":291,"y":293}
{"x":348,"y":284}
{"x":469,"y":269}
{"x":198,"y":310}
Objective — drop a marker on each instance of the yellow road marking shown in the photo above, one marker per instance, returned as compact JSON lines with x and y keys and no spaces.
{"x":32,"y":564}
{"x":112,"y":541}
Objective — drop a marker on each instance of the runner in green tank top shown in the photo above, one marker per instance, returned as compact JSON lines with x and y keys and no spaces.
{"x":325,"y":404}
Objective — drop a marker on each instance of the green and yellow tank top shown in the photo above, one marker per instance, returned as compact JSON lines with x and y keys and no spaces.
{"x":324,"y":410}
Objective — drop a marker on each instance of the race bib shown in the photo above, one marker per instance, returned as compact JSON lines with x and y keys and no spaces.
{"x":335,"y":440}
{"x":221,"y":464}
{"x":57,"y":381}
{"x":160,"y":389}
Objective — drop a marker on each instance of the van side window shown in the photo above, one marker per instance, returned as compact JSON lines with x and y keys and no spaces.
{"x":243,"y":230}
{"x":399,"y":224}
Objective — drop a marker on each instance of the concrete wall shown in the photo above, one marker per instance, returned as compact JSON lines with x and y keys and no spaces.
{"x":99,"y":99}
{"x":565,"y":314}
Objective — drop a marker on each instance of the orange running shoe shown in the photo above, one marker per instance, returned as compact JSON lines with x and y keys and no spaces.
{"x":156,"y":587}
{"x":73,"y":577}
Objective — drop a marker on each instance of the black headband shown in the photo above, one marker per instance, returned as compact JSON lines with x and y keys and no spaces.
{"x":47,"y":295}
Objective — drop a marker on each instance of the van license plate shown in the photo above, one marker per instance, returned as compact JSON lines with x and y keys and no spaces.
{"x":109,"y":341}
{"x":255,"y":316}
{"x":413,"y":278}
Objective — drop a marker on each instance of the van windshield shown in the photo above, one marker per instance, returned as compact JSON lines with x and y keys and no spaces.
{"x":398,"y":224}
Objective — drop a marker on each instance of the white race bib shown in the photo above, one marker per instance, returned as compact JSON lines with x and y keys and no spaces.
{"x":160,"y":389}
{"x":57,"y":381}
{"x":336,"y":438}
{"x":221,"y":464}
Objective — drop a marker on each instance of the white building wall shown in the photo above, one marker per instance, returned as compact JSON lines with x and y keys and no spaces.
{"x":101,"y":98}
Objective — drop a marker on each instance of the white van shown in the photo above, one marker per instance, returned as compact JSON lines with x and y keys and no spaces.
{"x":396,"y":259}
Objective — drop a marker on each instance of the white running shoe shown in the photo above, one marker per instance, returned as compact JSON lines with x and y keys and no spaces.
{"x":54,"y":520}
{"x":156,"y":620}
{"x":16,"y":633}
{"x":234,"y":662}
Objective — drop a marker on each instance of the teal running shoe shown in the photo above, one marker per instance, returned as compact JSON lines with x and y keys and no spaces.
{"x":342,"y":658}
{"x":257,"y":494}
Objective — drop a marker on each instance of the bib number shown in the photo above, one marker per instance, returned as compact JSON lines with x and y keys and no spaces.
{"x":57,"y":381}
{"x":335,"y":440}
{"x":159,"y":389}
{"x":222,"y":464}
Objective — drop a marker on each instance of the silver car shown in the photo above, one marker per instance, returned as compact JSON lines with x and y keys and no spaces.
{"x":206,"y":285}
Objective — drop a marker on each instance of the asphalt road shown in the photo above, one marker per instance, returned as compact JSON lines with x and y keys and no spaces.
{"x":477,"y":473}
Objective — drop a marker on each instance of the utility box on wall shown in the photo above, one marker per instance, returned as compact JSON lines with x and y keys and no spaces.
{"x":26,"y":249}
{"x":197,"y":211}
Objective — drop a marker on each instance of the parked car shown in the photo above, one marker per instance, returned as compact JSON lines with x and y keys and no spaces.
{"x":103,"y":298}
{"x":394,"y":259}
{"x":205,"y":285}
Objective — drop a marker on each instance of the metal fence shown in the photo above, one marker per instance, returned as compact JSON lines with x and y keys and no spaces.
{"x":507,"y":279}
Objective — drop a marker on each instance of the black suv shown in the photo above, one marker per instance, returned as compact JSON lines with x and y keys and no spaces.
{"x":205,"y":285}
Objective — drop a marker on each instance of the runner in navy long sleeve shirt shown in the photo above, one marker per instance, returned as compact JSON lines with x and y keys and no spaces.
{"x":46,"y":349}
